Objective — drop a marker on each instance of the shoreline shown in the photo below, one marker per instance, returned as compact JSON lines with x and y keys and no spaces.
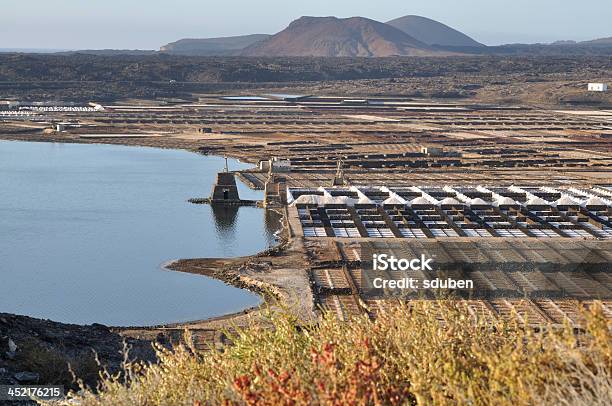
{"x":268,"y":291}
{"x":188,"y":145}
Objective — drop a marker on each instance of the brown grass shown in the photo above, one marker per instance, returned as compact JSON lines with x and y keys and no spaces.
{"x":406,"y":356}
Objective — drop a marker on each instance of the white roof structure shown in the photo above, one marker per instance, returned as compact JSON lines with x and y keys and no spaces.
{"x":363,"y":199}
{"x":566,"y":201}
{"x":505,"y":201}
{"x":329,"y":199}
{"x":594,"y":201}
{"x":449,"y":201}
{"x":598,"y":87}
{"x":309,"y":199}
{"x":325,"y":200}
{"x":346,"y":200}
{"x":394,"y":201}
{"x":478,"y":202}
{"x":537,"y":201}
{"x":420,"y":201}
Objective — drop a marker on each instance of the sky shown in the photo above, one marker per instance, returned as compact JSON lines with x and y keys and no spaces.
{"x":149,"y":24}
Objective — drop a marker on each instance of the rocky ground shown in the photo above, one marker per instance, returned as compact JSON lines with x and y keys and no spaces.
{"x":545,"y":80}
{"x":34,"y":351}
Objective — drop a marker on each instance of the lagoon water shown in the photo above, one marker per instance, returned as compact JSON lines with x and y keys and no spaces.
{"x":85,"y":229}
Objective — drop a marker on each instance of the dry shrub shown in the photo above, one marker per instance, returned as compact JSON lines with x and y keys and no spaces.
{"x":426,"y":353}
{"x":54,"y":367}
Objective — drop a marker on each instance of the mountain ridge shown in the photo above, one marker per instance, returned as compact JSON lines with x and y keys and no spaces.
{"x":432,"y":32}
{"x":598,"y":41}
{"x":212,"y":46}
{"x":428,"y":37}
{"x":339,"y":37}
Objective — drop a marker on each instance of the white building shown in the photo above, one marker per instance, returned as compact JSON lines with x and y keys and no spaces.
{"x":277,"y":165}
{"x":598,"y":87}
{"x":432,"y":151}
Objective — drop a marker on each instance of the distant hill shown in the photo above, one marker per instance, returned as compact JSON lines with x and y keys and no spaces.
{"x":346,"y":37}
{"x":212,"y":46}
{"x":432,"y":32}
{"x":31,"y":50}
{"x":594,"y":42}
{"x":600,"y":41}
{"x":362,"y":37}
{"x":564,"y":42}
{"x":109,"y":52}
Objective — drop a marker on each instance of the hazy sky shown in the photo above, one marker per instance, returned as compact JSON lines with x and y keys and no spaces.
{"x":148,"y":24}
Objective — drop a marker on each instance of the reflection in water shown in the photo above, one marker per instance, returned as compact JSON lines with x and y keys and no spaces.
{"x":272,"y":224}
{"x":225,"y":220}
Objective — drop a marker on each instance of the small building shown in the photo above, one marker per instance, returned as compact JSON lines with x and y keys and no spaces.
{"x":432,"y":151}
{"x":275,"y":165}
{"x":598,"y":87}
{"x":440,"y":152}
{"x":8,"y":104}
{"x":65,"y":125}
{"x":264,"y":165}
{"x":225,"y":189}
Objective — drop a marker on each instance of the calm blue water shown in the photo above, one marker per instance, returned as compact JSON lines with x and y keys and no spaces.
{"x":84,"y":230}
